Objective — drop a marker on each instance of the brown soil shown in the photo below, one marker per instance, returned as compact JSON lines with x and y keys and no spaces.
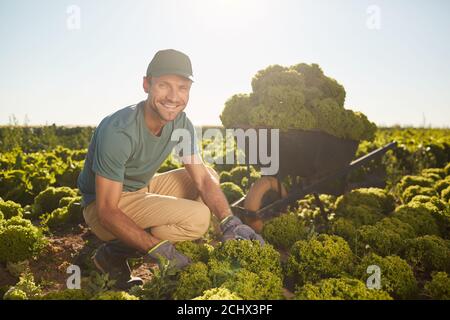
{"x":64,"y":249}
{"x":75,"y":246}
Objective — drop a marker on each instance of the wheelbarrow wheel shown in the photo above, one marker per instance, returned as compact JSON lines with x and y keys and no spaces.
{"x":263,"y":192}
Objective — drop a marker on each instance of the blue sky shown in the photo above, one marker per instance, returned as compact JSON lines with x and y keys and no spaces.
{"x":398,"y":73}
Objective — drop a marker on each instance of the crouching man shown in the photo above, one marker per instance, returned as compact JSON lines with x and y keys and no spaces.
{"x":135,"y":211}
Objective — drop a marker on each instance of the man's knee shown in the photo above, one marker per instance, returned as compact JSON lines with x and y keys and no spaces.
{"x":93,"y":222}
{"x":201,"y":219}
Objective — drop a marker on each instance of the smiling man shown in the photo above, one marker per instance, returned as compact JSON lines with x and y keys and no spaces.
{"x":135,"y":211}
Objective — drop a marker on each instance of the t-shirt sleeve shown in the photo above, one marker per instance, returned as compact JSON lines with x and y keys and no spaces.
{"x":112,"y":151}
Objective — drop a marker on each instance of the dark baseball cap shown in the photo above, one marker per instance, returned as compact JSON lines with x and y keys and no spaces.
{"x":170,"y":61}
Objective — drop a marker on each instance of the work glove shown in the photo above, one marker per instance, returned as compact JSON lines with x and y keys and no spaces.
{"x":233,"y":229}
{"x":166,"y":250}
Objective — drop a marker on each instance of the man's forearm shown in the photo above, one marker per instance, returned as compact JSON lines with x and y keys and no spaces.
{"x":126,"y":230}
{"x":215,"y":199}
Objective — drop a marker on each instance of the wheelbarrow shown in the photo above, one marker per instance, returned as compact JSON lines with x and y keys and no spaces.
{"x":316,"y":162}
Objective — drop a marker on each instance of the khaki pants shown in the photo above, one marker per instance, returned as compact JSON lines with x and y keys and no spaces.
{"x":170,"y":206}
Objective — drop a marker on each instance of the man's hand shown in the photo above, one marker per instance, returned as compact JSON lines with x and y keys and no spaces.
{"x":209,"y":188}
{"x":207,"y":183}
{"x":233,"y":229}
{"x":167,"y":250}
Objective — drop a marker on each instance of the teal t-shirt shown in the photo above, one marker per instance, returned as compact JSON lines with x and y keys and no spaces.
{"x":123,"y":149}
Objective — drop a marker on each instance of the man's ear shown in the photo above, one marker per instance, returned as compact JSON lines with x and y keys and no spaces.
{"x":146,"y":84}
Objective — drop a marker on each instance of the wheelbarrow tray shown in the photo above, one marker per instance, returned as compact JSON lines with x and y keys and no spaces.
{"x":308,"y":154}
{"x":313,"y":187}
{"x":311,"y":154}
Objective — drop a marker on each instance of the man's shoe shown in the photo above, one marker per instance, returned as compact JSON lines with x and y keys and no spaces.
{"x":111,"y":258}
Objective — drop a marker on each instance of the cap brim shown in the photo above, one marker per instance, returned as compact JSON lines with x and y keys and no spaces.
{"x":178,"y":73}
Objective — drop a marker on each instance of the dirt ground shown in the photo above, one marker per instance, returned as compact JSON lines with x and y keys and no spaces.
{"x":66,"y":247}
{"x":74,"y":246}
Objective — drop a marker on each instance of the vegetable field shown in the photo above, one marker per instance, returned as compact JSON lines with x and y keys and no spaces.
{"x":391,"y":241}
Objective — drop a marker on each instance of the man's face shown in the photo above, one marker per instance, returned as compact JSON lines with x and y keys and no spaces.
{"x":168,"y":95}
